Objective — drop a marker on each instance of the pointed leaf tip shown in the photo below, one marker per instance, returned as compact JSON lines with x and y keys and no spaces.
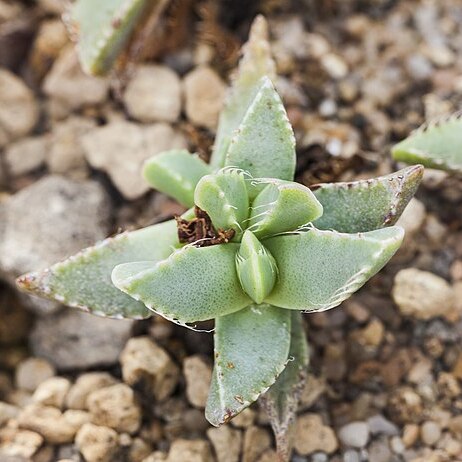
{"x":264,"y":143}
{"x":192,"y":284}
{"x":251,"y":350}
{"x":306,"y":280}
{"x":365,"y":205}
{"x":84,"y":280}
{"x":256,"y":268}
{"x":436,"y":144}
{"x":255,"y":64}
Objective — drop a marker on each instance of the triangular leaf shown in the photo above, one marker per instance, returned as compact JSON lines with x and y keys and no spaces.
{"x":251,"y":350}
{"x":436,"y":144}
{"x":365,"y":205}
{"x":84,"y":280}
{"x":281,"y":400}
{"x":192,"y":284}
{"x":255,"y":64}
{"x":105,"y":28}
{"x":176,"y":173}
{"x":319,"y":269}
{"x":282,"y":206}
{"x":264,"y":144}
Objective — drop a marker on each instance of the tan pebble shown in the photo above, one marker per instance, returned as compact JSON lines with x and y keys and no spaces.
{"x":190,"y":450}
{"x":410,"y":434}
{"x":67,"y":83}
{"x":19,"y":443}
{"x":227,"y":443}
{"x":115,"y":407}
{"x":120,"y":148}
{"x":153,"y":94}
{"x":311,"y":435}
{"x":84,"y":385}
{"x":49,"y":422}
{"x":146,"y":364}
{"x":139,"y":450}
{"x":421,"y":294}
{"x":204,"y":96}
{"x":18,"y":108}
{"x":97,"y":443}
{"x":52,"y":392}
{"x":430,"y":432}
{"x":32,"y":372}
{"x":156,"y":456}
{"x":198,"y":375}
{"x":244,"y":419}
{"x":7,"y":412}
{"x":256,"y":442}
{"x":269,"y":456}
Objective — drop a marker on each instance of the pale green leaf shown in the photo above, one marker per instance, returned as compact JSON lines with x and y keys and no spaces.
{"x":251,"y":350}
{"x":264,"y":143}
{"x":105,"y":27}
{"x":319,"y":269}
{"x":84,"y":280}
{"x":176,"y":173}
{"x":365,"y":205}
{"x":281,"y":400}
{"x":256,"y":268}
{"x":224,"y":197}
{"x":192,"y":284}
{"x":282,"y":206}
{"x":255,"y":64}
{"x":436,"y":144}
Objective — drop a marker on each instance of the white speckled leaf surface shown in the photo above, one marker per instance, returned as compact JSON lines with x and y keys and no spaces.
{"x":436,"y":144}
{"x":319,"y":269}
{"x":366,"y":205}
{"x":251,"y":350}
{"x":193,"y":284}
{"x":264,"y":143}
{"x":84,"y":280}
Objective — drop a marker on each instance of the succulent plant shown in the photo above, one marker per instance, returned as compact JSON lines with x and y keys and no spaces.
{"x":253,"y":252}
{"x":436,"y":144}
{"x":104,"y":32}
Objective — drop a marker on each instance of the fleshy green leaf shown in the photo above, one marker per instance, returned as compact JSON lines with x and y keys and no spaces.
{"x":224,"y":197}
{"x":282,"y":206}
{"x":366,"y":205}
{"x":281,"y":400}
{"x":192,"y":284}
{"x":319,"y":269}
{"x":256,"y":268}
{"x":255,"y":64}
{"x":176,"y":173}
{"x":436,"y":144}
{"x":84,"y":280}
{"x":251,"y":350}
{"x":105,"y":27}
{"x":264,"y":144}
